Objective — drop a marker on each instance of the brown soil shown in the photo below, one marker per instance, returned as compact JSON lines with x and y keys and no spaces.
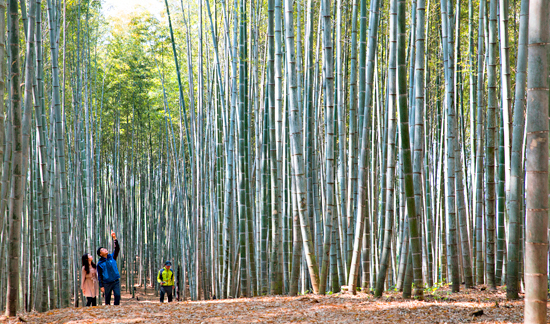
{"x":441,"y":306}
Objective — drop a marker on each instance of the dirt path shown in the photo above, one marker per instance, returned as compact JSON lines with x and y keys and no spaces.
{"x":439,"y":307}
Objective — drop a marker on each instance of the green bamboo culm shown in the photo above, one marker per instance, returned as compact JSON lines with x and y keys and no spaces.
{"x":480,"y":262}
{"x":297,"y":159}
{"x":330,"y":216}
{"x":447,"y":18}
{"x":391,"y":153}
{"x":275,"y":264}
{"x":516,"y":172}
{"x":188,"y":141}
{"x":245,"y":88}
{"x":406,"y":156}
{"x":536,"y":165}
{"x":500,"y":202}
{"x":14,"y":253}
{"x":365,"y":82}
{"x":243,"y":194}
{"x":490,"y":194}
{"x":351,"y":202}
{"x":419,"y":90}
{"x":63,"y":222}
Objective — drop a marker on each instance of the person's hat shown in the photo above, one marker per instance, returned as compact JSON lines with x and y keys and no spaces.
{"x":167,"y":263}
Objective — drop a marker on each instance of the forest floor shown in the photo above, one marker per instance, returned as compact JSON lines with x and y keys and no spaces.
{"x":440,"y":306}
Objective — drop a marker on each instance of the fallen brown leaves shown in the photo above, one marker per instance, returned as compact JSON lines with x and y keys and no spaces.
{"x":468,"y":306}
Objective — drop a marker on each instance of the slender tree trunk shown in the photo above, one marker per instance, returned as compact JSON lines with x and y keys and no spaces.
{"x":297,"y":159}
{"x":413,"y":213}
{"x":516,"y":174}
{"x":329,"y":141}
{"x":15,"y":212}
{"x":391,"y":156}
{"x":447,"y":17}
{"x":491,"y":143}
{"x":536,"y":165}
{"x":275,"y":265}
{"x":365,"y":82}
{"x":63,"y":227}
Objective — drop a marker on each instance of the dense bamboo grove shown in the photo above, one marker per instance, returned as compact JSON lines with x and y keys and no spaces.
{"x":276,"y":147}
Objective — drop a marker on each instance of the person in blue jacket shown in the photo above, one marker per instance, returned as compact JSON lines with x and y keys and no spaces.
{"x":107,"y":271}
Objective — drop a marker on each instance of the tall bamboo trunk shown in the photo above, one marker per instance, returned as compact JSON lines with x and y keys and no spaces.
{"x":297,"y":159}
{"x":491,"y":143}
{"x":15,"y":213}
{"x":516,"y":173}
{"x":391,"y":154}
{"x":480,"y":264}
{"x":352,"y":140}
{"x":63,"y":222}
{"x":365,"y":82}
{"x":331,"y":211}
{"x":447,"y":18}
{"x":536,"y":165}
{"x":275,"y":264}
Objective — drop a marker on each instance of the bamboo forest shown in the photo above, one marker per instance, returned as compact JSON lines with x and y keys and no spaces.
{"x":360,"y":153}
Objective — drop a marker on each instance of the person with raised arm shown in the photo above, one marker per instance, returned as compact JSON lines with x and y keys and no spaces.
{"x":107,"y":270}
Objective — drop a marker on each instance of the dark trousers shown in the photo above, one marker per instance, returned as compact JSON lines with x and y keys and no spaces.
{"x":91,"y":301}
{"x":165,"y":290}
{"x":112,"y":287}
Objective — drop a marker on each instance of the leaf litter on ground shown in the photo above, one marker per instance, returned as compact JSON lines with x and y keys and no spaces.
{"x":440,"y":306}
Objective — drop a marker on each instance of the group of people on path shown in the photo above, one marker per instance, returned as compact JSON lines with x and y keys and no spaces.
{"x":105,"y":275}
